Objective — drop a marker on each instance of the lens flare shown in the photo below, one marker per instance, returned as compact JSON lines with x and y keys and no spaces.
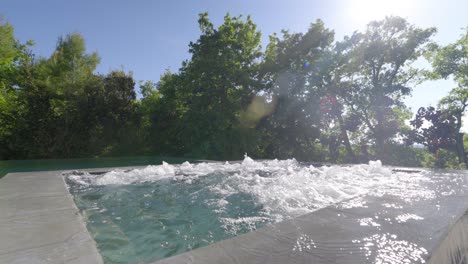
{"x":260,"y":107}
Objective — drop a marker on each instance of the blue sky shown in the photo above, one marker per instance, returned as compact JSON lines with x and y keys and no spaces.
{"x":149,"y":36}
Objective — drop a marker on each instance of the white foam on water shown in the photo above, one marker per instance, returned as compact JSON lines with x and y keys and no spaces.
{"x":150,"y":173}
{"x":284,"y":188}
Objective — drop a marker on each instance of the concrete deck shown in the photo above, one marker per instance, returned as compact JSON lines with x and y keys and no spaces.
{"x":39,"y":223}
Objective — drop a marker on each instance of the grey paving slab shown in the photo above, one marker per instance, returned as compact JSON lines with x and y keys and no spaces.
{"x":39,"y":222}
{"x":32,"y":206}
{"x":24,"y":185}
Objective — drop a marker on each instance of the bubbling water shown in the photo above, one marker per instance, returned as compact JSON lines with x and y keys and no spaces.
{"x":146,"y":214}
{"x":284,"y":188}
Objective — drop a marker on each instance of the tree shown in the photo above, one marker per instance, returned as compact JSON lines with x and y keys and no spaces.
{"x":164,"y":105}
{"x":293,"y":75}
{"x":13,"y":56}
{"x":52,"y":123}
{"x":452,"y":60}
{"x":148,"y":112}
{"x":435,"y":129}
{"x":211,"y":89}
{"x":380,"y":74}
{"x":455,"y":104}
{"x":119,"y":119}
{"x":70,"y":111}
{"x":70,"y":63}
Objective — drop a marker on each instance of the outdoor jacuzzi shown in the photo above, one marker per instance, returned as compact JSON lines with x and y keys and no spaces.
{"x":271,"y":211}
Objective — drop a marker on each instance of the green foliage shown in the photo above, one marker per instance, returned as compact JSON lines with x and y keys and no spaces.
{"x":292,"y":74}
{"x":407,"y":156}
{"x":434,"y":128}
{"x":13,"y":55}
{"x":452,"y":60}
{"x":58,"y":107}
{"x":444,"y":159}
{"x":200,"y":106}
{"x":70,"y":62}
{"x":465,"y":141}
{"x":380,"y":73}
{"x":305,"y":96}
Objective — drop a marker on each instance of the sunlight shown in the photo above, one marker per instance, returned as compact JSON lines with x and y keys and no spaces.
{"x":464,"y":128}
{"x":363,"y":11}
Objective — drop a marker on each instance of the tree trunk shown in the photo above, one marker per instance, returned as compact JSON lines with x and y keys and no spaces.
{"x":461,"y":149}
{"x":437,"y":161}
{"x":380,"y":148}
{"x":344,"y":136}
{"x":459,"y":141}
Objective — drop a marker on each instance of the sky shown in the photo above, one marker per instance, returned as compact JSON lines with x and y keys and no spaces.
{"x":149,"y":36}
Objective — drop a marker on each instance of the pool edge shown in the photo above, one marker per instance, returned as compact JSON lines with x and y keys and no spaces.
{"x":40,"y":222}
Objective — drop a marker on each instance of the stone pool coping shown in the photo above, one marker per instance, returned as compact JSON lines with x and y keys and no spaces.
{"x":40,"y":223}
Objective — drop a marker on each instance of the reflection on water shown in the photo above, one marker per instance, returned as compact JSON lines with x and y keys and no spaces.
{"x":304,"y":242}
{"x":368,"y":222}
{"x":353,"y":203}
{"x":405,"y":217}
{"x":388,"y":249}
{"x":394,"y":231}
{"x":392,"y":205}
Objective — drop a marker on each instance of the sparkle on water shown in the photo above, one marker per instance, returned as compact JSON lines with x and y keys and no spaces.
{"x":148,"y":214}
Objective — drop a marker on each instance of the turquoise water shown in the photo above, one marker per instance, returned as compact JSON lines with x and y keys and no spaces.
{"x":7,"y":166}
{"x":144,"y":222}
{"x":148,"y":214}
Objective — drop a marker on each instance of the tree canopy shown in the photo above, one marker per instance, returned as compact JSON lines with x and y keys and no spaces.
{"x":305,"y":95}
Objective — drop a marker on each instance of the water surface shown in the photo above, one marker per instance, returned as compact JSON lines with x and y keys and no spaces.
{"x":144,"y":215}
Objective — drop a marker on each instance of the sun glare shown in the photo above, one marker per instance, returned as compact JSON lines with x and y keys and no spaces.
{"x":363,"y":11}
